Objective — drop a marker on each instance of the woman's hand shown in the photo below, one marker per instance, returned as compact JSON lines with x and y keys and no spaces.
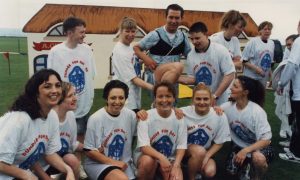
{"x":259,"y":71}
{"x":30,"y":176}
{"x":165,"y":165}
{"x":178,"y":113}
{"x":175,"y":172}
{"x":70,"y":174}
{"x":120,"y":164}
{"x":142,"y":115}
{"x":240,"y":157}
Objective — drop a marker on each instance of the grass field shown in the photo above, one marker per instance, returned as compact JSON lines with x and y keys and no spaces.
{"x":11,"y":86}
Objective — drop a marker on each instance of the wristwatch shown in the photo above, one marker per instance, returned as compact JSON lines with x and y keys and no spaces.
{"x":215,"y":97}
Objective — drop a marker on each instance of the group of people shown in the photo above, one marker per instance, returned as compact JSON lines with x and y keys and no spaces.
{"x":39,"y":137}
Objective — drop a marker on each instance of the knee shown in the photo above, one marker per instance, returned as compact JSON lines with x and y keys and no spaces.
{"x":196,"y":151}
{"x":116,"y":174}
{"x":146,"y":163}
{"x":258,"y":159}
{"x":72,"y":161}
{"x":178,"y":67}
{"x":210,"y":172}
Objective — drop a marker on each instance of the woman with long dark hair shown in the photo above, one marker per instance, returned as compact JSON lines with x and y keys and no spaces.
{"x":250,"y":130}
{"x":30,"y":129}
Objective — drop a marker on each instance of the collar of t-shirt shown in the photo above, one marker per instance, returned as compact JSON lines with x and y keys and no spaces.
{"x":171,"y":36}
{"x":197,"y":51}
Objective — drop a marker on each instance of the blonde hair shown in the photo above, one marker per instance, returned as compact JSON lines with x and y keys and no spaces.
{"x":65,"y":88}
{"x":201,"y":87}
{"x":127,"y":23}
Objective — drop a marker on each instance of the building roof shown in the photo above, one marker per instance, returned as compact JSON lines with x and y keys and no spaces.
{"x":105,"y":19}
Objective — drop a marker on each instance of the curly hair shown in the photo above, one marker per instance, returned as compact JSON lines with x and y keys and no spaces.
{"x":27,"y":101}
{"x":114,"y":84}
{"x":255,"y":88}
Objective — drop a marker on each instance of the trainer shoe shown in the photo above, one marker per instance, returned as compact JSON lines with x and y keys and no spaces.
{"x":286,"y":149}
{"x":289,"y":157}
{"x":82,"y":173}
{"x":244,"y":173}
{"x":285,"y":143}
{"x":282,"y":134}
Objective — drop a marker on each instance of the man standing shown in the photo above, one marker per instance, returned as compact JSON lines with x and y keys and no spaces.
{"x":209,"y":63}
{"x":291,"y":71}
{"x":75,"y":63}
{"x":166,"y":45}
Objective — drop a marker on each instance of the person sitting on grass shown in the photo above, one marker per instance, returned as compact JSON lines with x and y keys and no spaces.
{"x":207,"y":131}
{"x":250,"y":130}
{"x":109,"y":135}
{"x":161,"y":138}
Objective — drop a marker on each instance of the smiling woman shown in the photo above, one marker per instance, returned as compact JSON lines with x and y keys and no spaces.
{"x":32,"y":129}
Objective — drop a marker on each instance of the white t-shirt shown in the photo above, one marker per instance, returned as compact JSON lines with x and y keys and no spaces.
{"x":76,"y":66}
{"x":249,"y":125}
{"x":24,"y":141}
{"x":286,"y":54}
{"x":126,"y":66}
{"x":210,"y":67}
{"x":233,"y":45}
{"x":113,"y":134}
{"x":260,"y":54}
{"x":203,"y":130}
{"x":165,"y":135}
{"x":295,"y":59}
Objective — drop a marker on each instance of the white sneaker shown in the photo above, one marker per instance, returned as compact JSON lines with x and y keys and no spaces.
{"x":82,"y":173}
{"x":289,"y":157}
{"x":287,"y":150}
{"x":282,"y":134}
{"x":284,"y":143}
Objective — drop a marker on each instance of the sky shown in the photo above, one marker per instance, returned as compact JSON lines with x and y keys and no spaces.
{"x":284,"y":14}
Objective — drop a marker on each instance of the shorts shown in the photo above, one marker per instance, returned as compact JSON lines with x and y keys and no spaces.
{"x":232,"y":168}
{"x":82,"y":124}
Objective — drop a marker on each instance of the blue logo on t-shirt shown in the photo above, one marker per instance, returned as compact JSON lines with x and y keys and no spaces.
{"x":115,"y":149}
{"x":164,"y":145}
{"x":34,"y":157}
{"x":266,"y":62}
{"x":198,"y":137}
{"x":244,"y":134}
{"x":64,"y":147}
{"x":76,"y":77}
{"x":204,"y":75}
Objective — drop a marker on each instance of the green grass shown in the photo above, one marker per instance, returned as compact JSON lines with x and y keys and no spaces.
{"x":12,"y":85}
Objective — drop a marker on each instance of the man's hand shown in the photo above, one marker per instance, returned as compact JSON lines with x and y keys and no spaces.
{"x":142,"y":115}
{"x":151,"y":64}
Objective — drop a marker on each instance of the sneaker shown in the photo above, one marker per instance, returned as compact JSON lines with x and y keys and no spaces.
{"x":289,"y":157}
{"x":198,"y":176}
{"x":282,"y":134}
{"x":82,"y":173}
{"x":287,"y":150}
{"x":285,"y":143}
{"x":56,"y":176}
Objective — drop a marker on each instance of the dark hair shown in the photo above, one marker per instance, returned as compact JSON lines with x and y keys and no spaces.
{"x":65,"y":88}
{"x":114,"y":84}
{"x":232,"y":17}
{"x":168,"y":85}
{"x":70,"y":23}
{"x":264,"y":24}
{"x":292,"y":37}
{"x":198,"y":27}
{"x":256,"y":90}
{"x":27,"y":101}
{"x":175,"y":7}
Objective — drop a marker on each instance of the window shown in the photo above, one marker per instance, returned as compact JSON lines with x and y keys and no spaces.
{"x":40,"y":62}
{"x":56,"y":31}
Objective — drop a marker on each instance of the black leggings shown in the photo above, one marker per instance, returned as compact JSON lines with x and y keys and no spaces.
{"x":295,"y":139}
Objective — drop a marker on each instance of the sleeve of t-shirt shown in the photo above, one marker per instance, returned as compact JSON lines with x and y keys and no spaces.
{"x":237,"y":48}
{"x":54,"y":143}
{"x":143,"y":136}
{"x":123,"y":66}
{"x":73,"y":127}
{"x":133,"y":124}
{"x":50,"y":59}
{"x":149,"y":40}
{"x":182,"y":135}
{"x":248,"y":51}
{"x":187,"y":46}
{"x":295,"y":53}
{"x":13,"y":128}
{"x":263,"y":129}
{"x":93,"y":64}
{"x":226,"y":63}
{"x":92,"y":141}
{"x":223,"y":132}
